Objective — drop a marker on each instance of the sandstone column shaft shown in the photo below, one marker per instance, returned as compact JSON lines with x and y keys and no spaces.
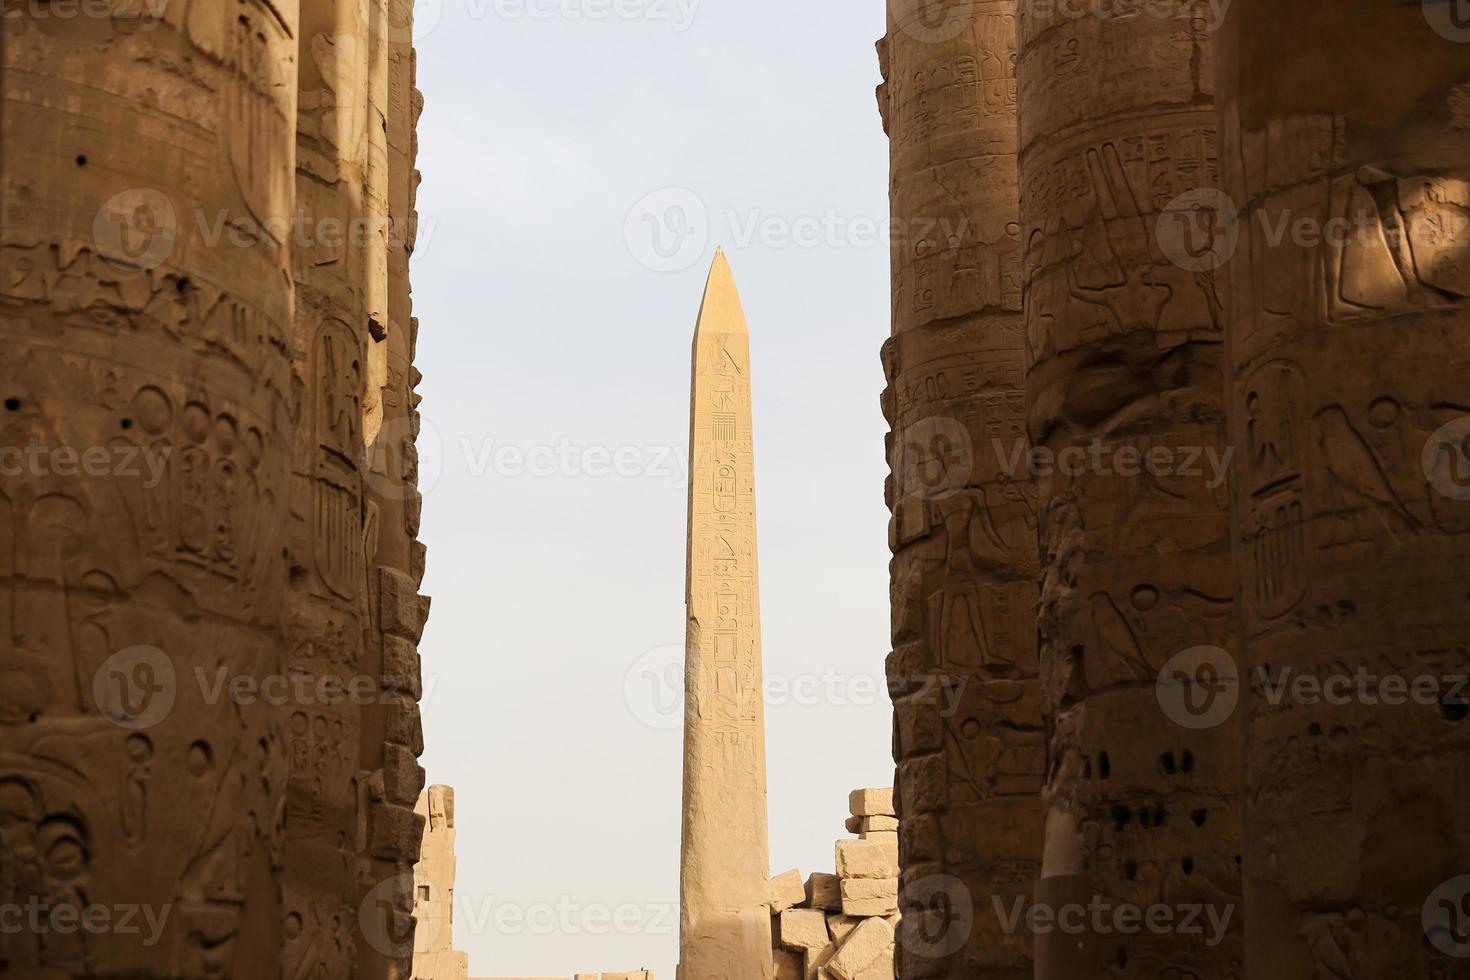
{"x":725,"y":928}
{"x":1125,"y":396}
{"x":1349,"y":356}
{"x":963,"y":672}
{"x":145,"y":312}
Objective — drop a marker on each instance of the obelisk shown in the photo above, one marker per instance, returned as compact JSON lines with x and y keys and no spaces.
{"x":724,"y":928}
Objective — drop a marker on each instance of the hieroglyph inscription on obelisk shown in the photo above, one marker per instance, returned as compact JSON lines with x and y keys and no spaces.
{"x":724,"y":928}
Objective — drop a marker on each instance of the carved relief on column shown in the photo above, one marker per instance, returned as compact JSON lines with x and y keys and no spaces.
{"x":328,"y":598}
{"x":392,"y":734}
{"x":146,"y":379}
{"x":963,"y":672}
{"x":1349,"y":360}
{"x":1126,"y":407}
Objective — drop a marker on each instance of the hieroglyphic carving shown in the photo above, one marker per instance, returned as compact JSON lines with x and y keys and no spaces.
{"x":967,"y":735}
{"x":133,"y":782}
{"x":1347,"y":360}
{"x":724,"y":924}
{"x":354,"y":774}
{"x":1125,"y":351}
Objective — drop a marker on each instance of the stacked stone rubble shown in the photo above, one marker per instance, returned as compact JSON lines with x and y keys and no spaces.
{"x":208,"y":212}
{"x":843,"y":926}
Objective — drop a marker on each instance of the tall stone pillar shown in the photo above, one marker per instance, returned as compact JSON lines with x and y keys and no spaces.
{"x":1126,"y":408}
{"x":145,"y":322}
{"x":963,"y":671}
{"x":1349,"y":360}
{"x":724,"y":924}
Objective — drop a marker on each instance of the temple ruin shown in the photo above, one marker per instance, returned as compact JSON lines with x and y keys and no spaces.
{"x":170,"y":293}
{"x":1178,"y":390}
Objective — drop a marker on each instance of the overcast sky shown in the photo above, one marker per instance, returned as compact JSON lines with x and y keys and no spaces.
{"x":559,"y":136}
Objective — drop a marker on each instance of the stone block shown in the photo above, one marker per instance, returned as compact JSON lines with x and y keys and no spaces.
{"x":872,"y":939}
{"x":867,"y":859}
{"x":788,"y":966}
{"x":888,"y":838}
{"x":786,"y":891}
{"x":869,"y":896}
{"x":803,"y":929}
{"x":841,"y":926}
{"x":402,"y":669}
{"x":824,"y":891}
{"x":871,"y":803}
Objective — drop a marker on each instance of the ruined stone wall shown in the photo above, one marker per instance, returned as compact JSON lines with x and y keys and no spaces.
{"x":1125,"y":343}
{"x":201,"y":271}
{"x":963,"y":671}
{"x":844,"y":925}
{"x":1348,"y":363}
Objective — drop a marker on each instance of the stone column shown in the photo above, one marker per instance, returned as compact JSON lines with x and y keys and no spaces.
{"x":392,"y":735}
{"x":724,"y":923}
{"x":1126,"y":408}
{"x":1349,"y":360}
{"x":963,"y":672}
{"x":145,"y":324}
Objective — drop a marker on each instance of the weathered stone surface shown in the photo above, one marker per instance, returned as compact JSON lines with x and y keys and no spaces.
{"x":963,"y":671}
{"x":803,"y":929}
{"x":866,"y":859}
{"x":1117,"y":124}
{"x":871,"y":940}
{"x":824,"y":891}
{"x":871,"y":802}
{"x":1347,"y":359}
{"x":869,"y":896}
{"x":724,"y":927}
{"x":150,"y":365}
{"x":786,"y":891}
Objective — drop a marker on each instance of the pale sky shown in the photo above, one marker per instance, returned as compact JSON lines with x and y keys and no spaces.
{"x":555,"y":351}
